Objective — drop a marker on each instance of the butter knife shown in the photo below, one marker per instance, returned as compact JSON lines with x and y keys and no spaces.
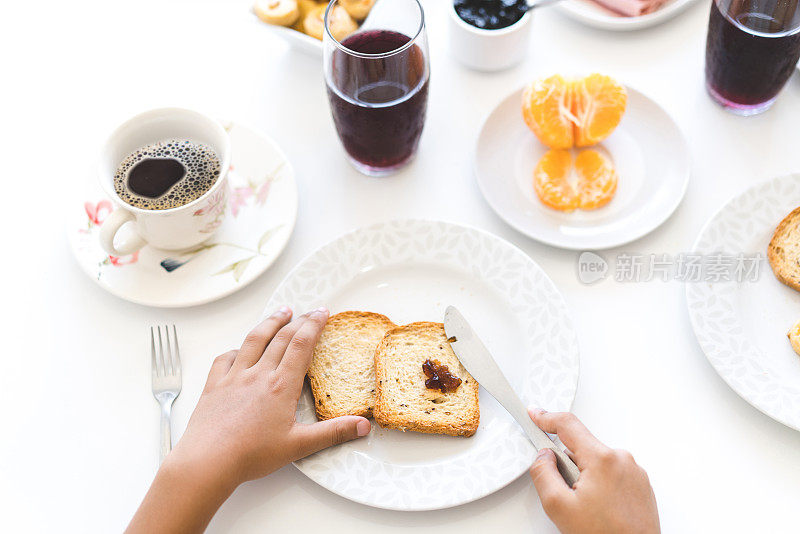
{"x":476,"y":359}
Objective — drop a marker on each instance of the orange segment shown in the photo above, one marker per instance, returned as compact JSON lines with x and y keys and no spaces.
{"x":588,"y":183}
{"x":551,"y":181}
{"x":546,"y":109}
{"x":566,"y":113}
{"x":598,"y":104}
{"x":597,"y":179}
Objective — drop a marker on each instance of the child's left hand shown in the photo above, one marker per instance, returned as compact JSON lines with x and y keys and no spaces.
{"x":243,"y":426}
{"x":244,"y":423}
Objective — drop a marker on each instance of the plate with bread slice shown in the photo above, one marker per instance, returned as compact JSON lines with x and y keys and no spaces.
{"x":438,"y":439}
{"x":747,"y":321}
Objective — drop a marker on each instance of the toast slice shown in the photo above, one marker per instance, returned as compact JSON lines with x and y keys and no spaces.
{"x":794,"y":337}
{"x":783,"y":251}
{"x":342,"y":370}
{"x":403,"y":402}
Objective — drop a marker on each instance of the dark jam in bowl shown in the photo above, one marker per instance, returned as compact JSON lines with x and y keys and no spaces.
{"x":378,"y":104}
{"x":491,"y":14}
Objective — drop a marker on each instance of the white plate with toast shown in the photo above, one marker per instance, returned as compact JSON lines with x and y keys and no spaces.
{"x":742,"y":323}
{"x":410,"y":271}
{"x":648,"y":151}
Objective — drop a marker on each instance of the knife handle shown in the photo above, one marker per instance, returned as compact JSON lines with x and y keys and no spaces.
{"x":541,"y":440}
{"x":566,"y":466}
{"x":508,"y":399}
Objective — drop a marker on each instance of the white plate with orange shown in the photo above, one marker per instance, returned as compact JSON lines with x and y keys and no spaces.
{"x":646,"y":150}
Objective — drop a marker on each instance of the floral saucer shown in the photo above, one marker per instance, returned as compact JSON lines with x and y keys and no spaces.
{"x":261,"y":213}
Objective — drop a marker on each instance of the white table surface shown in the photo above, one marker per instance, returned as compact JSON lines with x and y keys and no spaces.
{"x":81,"y":427}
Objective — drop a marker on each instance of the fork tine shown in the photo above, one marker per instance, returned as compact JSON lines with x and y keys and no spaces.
{"x":168,"y":354}
{"x":153,"y":365}
{"x":161,"y":363}
{"x":177,"y":360}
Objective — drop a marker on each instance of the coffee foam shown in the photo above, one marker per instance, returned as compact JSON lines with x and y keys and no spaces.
{"x":202,"y":171}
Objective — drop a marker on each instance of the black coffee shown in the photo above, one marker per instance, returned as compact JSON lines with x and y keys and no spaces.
{"x":167,"y":174}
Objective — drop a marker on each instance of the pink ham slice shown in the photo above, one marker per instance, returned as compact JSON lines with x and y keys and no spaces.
{"x":632,"y":8}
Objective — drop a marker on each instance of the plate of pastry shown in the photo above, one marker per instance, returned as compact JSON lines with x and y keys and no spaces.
{"x":622,"y":15}
{"x":746,"y":307}
{"x":438,"y":440}
{"x":581,"y":163}
{"x":302,"y":22}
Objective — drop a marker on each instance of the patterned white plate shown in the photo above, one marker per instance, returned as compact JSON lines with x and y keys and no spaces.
{"x":742,"y":325}
{"x":411,"y":270}
{"x":261,"y":212}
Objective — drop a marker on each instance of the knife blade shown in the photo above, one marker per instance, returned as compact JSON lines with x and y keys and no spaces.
{"x":478,"y":361}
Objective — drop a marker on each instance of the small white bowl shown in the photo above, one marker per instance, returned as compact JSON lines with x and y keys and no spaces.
{"x":489,"y":50}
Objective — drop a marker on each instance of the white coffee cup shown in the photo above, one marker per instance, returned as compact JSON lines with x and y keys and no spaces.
{"x":175,"y":228}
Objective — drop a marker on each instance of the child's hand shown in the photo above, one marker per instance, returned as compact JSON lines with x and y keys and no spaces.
{"x":612,"y":495}
{"x":244,"y":424}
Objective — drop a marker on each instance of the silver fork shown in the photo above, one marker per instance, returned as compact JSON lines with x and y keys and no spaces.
{"x":166,"y":374}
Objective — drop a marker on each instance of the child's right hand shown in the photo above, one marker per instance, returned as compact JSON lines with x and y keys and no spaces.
{"x":612,"y":495}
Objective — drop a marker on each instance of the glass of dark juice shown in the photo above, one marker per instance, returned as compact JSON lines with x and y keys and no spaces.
{"x":377,"y":81}
{"x":751,"y":50}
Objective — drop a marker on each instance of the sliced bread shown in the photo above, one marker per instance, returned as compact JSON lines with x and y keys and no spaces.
{"x":403,"y":402}
{"x":794,"y":337}
{"x":783,"y":251}
{"x":342,"y":370}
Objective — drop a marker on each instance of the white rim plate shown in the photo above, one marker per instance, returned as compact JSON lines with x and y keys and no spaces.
{"x":297,"y":39}
{"x":379,"y":16}
{"x":261,"y":213}
{"x":650,"y":155}
{"x":741,"y":326}
{"x":594,"y":15}
{"x":411,"y":270}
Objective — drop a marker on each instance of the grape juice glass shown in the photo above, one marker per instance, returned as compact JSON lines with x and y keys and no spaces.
{"x":751,"y":50}
{"x":377,"y":81}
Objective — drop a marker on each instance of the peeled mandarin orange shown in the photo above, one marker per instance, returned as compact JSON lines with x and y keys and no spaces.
{"x":551,"y":181}
{"x":546,"y":110}
{"x":587,"y":183}
{"x":598,"y":104}
{"x":597,"y":179}
{"x":566,"y":113}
